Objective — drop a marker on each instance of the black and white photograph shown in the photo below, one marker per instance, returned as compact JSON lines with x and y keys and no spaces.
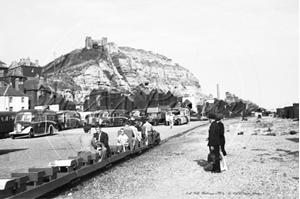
{"x":148,"y":99}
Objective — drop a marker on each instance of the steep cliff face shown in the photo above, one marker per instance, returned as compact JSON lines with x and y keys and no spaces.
{"x":122,"y":68}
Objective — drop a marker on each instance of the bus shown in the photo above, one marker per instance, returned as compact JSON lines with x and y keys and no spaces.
{"x":35,"y":122}
{"x":7,"y":119}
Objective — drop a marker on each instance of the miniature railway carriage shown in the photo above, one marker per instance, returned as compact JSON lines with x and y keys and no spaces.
{"x":7,"y":119}
{"x":35,"y":122}
{"x":69,"y":119}
{"x":39,"y":181}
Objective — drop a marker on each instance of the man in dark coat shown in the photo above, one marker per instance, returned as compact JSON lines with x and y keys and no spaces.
{"x":222,"y":135}
{"x":214,"y":142}
{"x":101,"y":139}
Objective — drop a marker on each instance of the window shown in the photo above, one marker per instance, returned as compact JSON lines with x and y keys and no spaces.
{"x":10,"y":99}
{"x":22,"y":100}
{"x":50,"y":117}
{"x":10,"y":108}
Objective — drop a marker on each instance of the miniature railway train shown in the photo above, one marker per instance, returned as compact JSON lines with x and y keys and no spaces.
{"x":40,"y":181}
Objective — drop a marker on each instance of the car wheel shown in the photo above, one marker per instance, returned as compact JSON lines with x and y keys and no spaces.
{"x":12,"y":137}
{"x":179,"y":122}
{"x":31,"y":134}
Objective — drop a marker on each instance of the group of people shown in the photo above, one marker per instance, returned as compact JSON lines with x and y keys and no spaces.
{"x":98,"y":142}
{"x":216,"y":142}
{"x":139,"y":134}
{"x":94,"y":143}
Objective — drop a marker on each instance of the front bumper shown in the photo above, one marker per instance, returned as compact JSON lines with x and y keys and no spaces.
{"x":25,"y":131}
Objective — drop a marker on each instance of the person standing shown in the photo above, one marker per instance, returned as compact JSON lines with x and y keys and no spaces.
{"x":147,"y":129}
{"x":222,"y":135}
{"x":171,"y":120}
{"x":223,"y":165}
{"x":214,"y":142}
{"x":101,"y":139}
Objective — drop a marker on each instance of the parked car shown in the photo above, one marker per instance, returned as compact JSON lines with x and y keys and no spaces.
{"x":69,"y":119}
{"x":156,"y":116}
{"x":113,"y":118}
{"x":7,"y":119}
{"x":35,"y":122}
{"x":182,"y":116}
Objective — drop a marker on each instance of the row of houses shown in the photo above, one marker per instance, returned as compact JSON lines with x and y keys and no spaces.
{"x":13,"y":96}
{"x":289,"y":112}
{"x":23,"y":87}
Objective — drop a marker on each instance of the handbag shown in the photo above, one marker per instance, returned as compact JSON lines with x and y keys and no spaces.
{"x":223,"y":165}
{"x":211,"y":158}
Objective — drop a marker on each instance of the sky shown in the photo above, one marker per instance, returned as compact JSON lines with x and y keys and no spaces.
{"x":250,"y":48}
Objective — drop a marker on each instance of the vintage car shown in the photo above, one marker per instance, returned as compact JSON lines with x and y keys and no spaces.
{"x":7,"y":119}
{"x":138,"y":116}
{"x":113,"y":118}
{"x":156,"y":116}
{"x":69,"y":119}
{"x":35,"y":122}
{"x":182,"y":116}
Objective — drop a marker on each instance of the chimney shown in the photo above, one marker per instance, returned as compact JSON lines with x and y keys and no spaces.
{"x":37,"y":63}
{"x":218,"y":92}
{"x":27,"y":61}
{"x":42,"y":80}
{"x":17,"y":81}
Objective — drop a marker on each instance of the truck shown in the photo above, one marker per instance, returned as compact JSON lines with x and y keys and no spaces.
{"x":156,"y":116}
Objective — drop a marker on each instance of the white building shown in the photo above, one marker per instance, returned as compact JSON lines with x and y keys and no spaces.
{"x":12,"y":99}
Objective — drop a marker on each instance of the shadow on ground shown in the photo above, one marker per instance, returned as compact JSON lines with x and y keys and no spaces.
{"x":35,"y":136}
{"x":203,"y":163}
{"x":293,"y":139}
{"x":5,"y":151}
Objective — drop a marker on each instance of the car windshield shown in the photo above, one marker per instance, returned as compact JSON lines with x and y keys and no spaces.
{"x":24,"y":117}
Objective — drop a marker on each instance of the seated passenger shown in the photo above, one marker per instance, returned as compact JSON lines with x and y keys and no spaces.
{"x":101,"y":142}
{"x":129,"y":131}
{"x":137,"y":135}
{"x":122,"y":141}
{"x":87,"y":142}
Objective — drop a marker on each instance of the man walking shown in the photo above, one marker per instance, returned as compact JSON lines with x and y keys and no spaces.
{"x":214,"y":143}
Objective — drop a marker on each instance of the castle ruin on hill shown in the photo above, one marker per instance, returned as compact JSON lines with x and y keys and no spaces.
{"x":95,"y":44}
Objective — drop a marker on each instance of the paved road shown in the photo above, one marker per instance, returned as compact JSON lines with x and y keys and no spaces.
{"x":22,"y":153}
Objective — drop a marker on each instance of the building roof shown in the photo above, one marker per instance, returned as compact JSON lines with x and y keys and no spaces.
{"x":10,"y":92}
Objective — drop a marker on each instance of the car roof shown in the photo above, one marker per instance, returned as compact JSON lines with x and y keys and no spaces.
{"x":36,"y":111}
